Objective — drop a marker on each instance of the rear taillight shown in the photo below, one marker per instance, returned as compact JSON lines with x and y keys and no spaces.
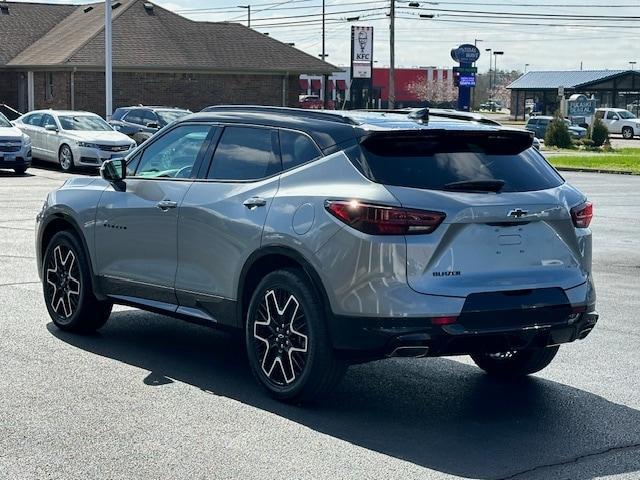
{"x":384,"y":220}
{"x":582,"y":214}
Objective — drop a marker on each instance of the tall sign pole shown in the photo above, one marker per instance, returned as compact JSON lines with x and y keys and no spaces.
{"x":361,"y":66}
{"x":108,"y":61}
{"x":465,"y":75}
{"x":392,"y":55}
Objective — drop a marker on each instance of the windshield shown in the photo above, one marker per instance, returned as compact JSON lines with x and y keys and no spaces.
{"x":84,"y":123}
{"x":626,"y":115}
{"x":169,"y":116}
{"x":3,"y":121}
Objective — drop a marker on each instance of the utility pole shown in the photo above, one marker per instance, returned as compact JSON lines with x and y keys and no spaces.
{"x":325,"y":77}
{"x":392,"y":56}
{"x":248,"y":8}
{"x":108,"y":61}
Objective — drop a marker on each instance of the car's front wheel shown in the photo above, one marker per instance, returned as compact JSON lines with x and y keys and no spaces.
{"x":627,"y":133}
{"x":67,"y":288}
{"x":65,"y":158}
{"x":288,"y":344}
{"x":20,"y":170}
{"x":517,"y":363}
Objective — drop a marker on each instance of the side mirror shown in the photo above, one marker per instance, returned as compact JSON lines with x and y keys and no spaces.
{"x":114,"y":170}
{"x":51,"y":128}
{"x":153,"y":125}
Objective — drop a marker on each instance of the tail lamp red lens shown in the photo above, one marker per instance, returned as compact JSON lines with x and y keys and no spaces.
{"x":384,"y":220}
{"x":582,"y":214}
{"x":443,"y":320}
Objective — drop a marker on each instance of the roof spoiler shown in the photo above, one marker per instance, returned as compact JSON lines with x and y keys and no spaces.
{"x":505,"y":141}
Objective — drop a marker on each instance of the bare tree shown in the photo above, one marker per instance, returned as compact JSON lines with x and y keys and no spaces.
{"x":501,"y":94}
{"x":433,"y":91}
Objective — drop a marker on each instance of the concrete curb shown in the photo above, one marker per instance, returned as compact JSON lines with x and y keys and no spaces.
{"x":595,"y":170}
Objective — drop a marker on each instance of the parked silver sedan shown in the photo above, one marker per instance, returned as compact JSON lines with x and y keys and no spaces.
{"x":73,"y":138}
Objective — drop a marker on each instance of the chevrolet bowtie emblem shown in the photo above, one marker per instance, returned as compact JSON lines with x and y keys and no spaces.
{"x":517,"y":213}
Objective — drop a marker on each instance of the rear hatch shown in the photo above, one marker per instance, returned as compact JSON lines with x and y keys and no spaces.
{"x":508,"y":224}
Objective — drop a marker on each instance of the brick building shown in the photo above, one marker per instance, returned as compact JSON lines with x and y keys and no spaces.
{"x":52,"y":56}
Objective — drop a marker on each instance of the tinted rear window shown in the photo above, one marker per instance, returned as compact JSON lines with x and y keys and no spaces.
{"x":432,"y":164}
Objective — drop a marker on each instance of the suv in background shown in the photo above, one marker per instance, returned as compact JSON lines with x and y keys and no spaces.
{"x":538,"y":125}
{"x":619,"y":120}
{"x":329,"y":239}
{"x":15,"y":147}
{"x":141,"y":122}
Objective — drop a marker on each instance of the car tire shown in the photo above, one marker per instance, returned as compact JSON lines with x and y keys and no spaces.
{"x":67,"y":286}
{"x":627,"y":133}
{"x":515,"y":364}
{"x":20,"y":170}
{"x":65,"y":158}
{"x":288,"y":344}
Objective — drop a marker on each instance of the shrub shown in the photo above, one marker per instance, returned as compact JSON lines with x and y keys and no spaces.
{"x":599,"y":132}
{"x":558,"y":133}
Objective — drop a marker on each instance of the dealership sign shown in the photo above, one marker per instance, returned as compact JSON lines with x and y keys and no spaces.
{"x":582,"y":108}
{"x":361,"y":52}
{"x":466,"y":53}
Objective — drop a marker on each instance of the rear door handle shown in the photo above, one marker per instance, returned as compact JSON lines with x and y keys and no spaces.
{"x":165,"y":205}
{"x":254,"y":202}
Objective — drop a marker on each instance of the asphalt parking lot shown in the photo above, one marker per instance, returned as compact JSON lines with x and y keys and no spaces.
{"x":151,"y":397}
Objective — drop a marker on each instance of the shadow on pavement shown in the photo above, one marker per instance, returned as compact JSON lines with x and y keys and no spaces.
{"x":436,"y":413}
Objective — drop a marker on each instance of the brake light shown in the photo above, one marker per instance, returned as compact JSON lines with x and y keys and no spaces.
{"x":384,"y":220}
{"x":582,"y":214}
{"x":443,"y":320}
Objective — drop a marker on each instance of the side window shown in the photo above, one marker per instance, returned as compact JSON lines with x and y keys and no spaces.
{"x":132,"y":164}
{"x":33,"y":119}
{"x":148,"y":117}
{"x":134,"y":116}
{"x":296,"y":149}
{"x":532,"y":121}
{"x":48,"y":120}
{"x":174,"y":154}
{"x":611,"y":116}
{"x":244,"y":153}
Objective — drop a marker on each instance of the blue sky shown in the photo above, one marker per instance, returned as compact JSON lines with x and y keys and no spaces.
{"x":598,"y":44}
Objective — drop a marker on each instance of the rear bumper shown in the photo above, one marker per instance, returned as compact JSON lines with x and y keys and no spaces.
{"x":370,"y":338}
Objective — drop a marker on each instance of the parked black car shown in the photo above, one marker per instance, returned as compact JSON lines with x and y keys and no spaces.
{"x":141,"y":122}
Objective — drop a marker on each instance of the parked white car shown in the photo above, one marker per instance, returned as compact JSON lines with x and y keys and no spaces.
{"x":73,"y":138}
{"x":619,"y":120}
{"x":15,"y":147}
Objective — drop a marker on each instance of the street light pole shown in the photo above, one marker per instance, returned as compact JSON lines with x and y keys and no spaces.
{"x":526,"y":65}
{"x":392,"y":56}
{"x":108,"y":61}
{"x":495,"y":67}
{"x":632,"y":64}
{"x":490,"y":52}
{"x":325,"y":77}
{"x":248,"y":8}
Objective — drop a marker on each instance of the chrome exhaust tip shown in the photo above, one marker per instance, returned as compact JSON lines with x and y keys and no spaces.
{"x":410,"y":351}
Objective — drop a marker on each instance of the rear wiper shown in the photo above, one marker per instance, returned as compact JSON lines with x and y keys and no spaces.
{"x":476,"y":186}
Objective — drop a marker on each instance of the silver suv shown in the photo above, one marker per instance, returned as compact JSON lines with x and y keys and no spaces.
{"x":328,"y":239}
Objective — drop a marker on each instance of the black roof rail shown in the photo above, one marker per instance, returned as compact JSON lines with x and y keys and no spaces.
{"x":291,"y":112}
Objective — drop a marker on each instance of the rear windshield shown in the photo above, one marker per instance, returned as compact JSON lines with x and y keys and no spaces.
{"x":433,"y":164}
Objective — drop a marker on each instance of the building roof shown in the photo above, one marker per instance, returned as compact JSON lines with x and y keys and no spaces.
{"x":26,"y":23}
{"x":157,"y":39}
{"x":567,"y":79}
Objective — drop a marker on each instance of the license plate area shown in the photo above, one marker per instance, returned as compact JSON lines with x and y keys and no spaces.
{"x":515,"y":309}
